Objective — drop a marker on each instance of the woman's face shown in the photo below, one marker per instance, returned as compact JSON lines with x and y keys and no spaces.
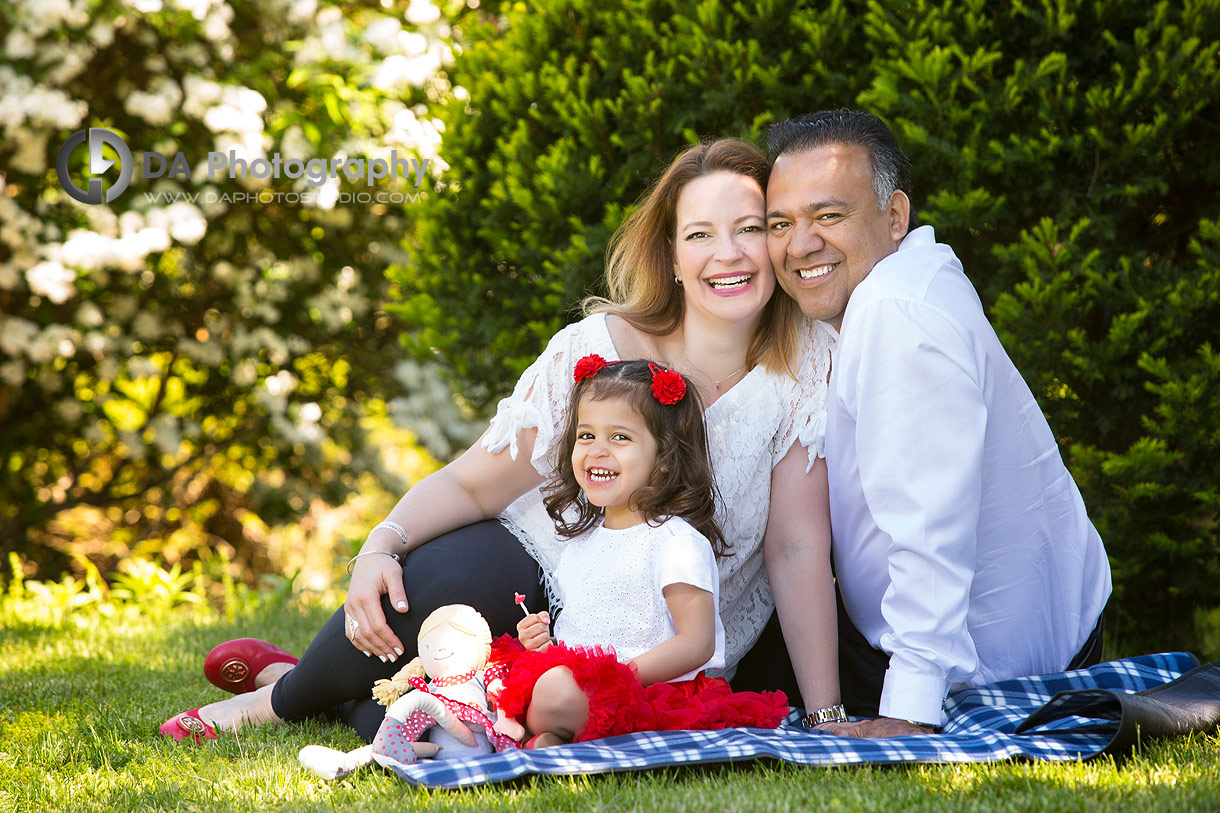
{"x":720,"y":248}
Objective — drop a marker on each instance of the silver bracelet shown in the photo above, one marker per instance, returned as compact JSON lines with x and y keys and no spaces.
{"x":352,"y":561}
{"x":393,"y":526}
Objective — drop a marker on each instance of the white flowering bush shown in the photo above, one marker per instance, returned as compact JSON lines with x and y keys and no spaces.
{"x":201,"y":355}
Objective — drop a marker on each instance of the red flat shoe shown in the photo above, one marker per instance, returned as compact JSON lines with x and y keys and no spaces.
{"x":233,"y":665}
{"x":188,"y":724}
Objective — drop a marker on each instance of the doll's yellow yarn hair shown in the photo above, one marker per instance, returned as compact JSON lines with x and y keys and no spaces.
{"x":464,"y":619}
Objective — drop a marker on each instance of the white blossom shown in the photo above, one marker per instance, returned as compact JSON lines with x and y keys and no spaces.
{"x":146,"y":327}
{"x":12,"y":372}
{"x":95,"y":343}
{"x":397,"y":70}
{"x":302,"y":11}
{"x":19,"y":45}
{"x":216,"y":27}
{"x":422,"y":12}
{"x":52,"y":280}
{"x":201,"y":93}
{"x":183,"y":221}
{"x":31,"y":155}
{"x":69,"y":410}
{"x":209,"y":354}
{"x":9,"y":276}
{"x":282,"y":383}
{"x":41,"y":16}
{"x":22,"y":100}
{"x":158,"y":105}
{"x":328,"y":193}
{"x":54,"y":341}
{"x":107,"y":370}
{"x":245,"y":373}
{"x":141,"y":367}
{"x":102,"y":33}
{"x":89,"y":315}
{"x":165,"y":434}
{"x":199,"y":9}
{"x":71,"y":60}
{"x":94,"y":434}
{"x":412,"y":43}
{"x":382,"y":34}
{"x":16,"y":334}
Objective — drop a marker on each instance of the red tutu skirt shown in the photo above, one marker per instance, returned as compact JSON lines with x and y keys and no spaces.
{"x":619,"y":703}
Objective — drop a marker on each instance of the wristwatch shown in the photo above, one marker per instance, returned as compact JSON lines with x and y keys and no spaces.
{"x":830,"y":714}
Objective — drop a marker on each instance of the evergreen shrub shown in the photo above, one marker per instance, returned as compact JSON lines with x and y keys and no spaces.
{"x":1066,"y":150}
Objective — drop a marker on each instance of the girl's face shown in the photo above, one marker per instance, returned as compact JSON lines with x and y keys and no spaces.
{"x":446,"y":651}
{"x":720,"y":248}
{"x":613,"y":457}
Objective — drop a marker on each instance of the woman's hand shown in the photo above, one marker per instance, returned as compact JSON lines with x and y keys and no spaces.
{"x":476,"y":486}
{"x":372,"y":578}
{"x":534,"y":631}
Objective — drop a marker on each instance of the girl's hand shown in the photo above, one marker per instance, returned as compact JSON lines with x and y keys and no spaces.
{"x":372,"y":578}
{"x":534,"y":631}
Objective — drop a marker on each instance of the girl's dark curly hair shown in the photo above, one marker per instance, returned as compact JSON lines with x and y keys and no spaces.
{"x":681,"y":484}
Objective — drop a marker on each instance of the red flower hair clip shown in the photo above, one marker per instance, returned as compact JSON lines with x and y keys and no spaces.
{"x":589,"y":366}
{"x":668,"y":387}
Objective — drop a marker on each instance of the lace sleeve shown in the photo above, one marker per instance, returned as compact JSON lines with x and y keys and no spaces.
{"x":805,"y":398}
{"x":540,"y":399}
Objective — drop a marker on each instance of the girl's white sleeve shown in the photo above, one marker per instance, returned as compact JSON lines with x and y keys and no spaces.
{"x":687,"y":558}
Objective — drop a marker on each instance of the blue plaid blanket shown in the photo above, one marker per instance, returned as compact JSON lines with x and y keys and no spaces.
{"x":981,"y":727}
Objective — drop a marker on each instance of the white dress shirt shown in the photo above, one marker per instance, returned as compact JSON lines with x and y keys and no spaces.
{"x":961,"y":543}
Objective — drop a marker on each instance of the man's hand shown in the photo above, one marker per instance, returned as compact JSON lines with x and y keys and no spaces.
{"x":534,"y":631}
{"x":838,"y":728}
{"x":879,"y":728}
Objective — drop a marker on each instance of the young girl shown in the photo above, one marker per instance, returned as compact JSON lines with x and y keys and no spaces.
{"x":638,"y":580}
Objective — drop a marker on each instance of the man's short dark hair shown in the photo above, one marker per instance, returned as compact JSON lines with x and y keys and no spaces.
{"x":891,"y":167}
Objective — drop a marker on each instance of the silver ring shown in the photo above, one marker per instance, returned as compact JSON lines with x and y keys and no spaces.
{"x":353,"y":627}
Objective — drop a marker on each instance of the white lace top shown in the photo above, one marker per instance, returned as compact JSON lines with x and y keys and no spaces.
{"x":612,"y":582}
{"x":750,"y":428}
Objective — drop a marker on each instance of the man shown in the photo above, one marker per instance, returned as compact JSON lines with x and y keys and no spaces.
{"x":962,"y":549}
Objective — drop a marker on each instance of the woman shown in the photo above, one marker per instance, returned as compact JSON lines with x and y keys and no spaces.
{"x":691,"y":285}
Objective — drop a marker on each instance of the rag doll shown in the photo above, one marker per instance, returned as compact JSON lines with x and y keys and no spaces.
{"x":446,"y":711}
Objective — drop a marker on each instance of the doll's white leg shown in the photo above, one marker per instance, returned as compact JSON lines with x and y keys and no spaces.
{"x":331,"y":764}
{"x":405,"y":706}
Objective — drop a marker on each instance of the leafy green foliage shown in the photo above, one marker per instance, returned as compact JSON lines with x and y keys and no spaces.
{"x":1066,"y":151}
{"x":187,"y":362}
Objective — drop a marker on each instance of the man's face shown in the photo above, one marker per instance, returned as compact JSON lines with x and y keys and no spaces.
{"x":824,"y":229}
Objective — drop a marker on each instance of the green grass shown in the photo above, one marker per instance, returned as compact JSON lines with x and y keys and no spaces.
{"x":80,"y":704}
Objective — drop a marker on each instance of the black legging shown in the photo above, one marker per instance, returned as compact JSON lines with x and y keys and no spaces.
{"x":482,"y":565}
